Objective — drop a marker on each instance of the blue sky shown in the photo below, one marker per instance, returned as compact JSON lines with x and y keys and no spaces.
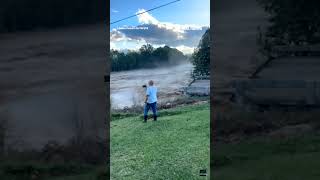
{"x":164,"y":26}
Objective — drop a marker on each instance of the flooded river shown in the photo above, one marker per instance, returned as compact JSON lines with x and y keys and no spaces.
{"x":126,"y":86}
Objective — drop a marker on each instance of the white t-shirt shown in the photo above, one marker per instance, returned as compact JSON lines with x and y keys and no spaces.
{"x":152,"y":94}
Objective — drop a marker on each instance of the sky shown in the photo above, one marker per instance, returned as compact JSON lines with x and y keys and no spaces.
{"x":179,"y":25}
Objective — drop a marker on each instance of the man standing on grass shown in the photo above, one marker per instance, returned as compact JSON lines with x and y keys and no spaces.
{"x":151,"y":101}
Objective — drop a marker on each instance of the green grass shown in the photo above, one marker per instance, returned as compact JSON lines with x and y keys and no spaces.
{"x":175,"y":147}
{"x":269,"y":159}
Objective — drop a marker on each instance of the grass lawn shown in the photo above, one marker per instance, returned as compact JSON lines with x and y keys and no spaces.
{"x":269,"y":159}
{"x":175,"y":147}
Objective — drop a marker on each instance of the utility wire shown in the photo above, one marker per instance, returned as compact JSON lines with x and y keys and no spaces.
{"x":145,"y":11}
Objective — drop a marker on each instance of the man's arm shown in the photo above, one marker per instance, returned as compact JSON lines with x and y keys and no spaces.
{"x":146,"y":99}
{"x":147,"y":95}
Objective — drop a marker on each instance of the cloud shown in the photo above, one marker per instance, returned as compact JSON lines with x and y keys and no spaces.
{"x":116,"y":35}
{"x":157,"y":35}
{"x":146,"y":18}
{"x":185,"y":49}
{"x":155,"y":32}
{"x":114,"y":11}
{"x":113,"y":45}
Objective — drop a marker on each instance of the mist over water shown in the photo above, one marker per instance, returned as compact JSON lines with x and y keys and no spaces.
{"x":126,"y":86}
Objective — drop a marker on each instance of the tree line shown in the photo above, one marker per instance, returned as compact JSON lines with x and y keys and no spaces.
{"x":22,"y":15}
{"x":146,"y":57}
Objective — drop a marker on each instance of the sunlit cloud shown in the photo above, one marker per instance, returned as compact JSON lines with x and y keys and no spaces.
{"x":116,"y":35}
{"x":146,"y":18}
{"x":185,"y":49}
{"x":185,"y":37}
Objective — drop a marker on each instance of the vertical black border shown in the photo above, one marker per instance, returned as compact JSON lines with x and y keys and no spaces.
{"x":107,"y":82}
{"x":211,"y":87}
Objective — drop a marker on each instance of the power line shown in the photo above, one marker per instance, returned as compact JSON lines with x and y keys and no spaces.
{"x":145,"y":11}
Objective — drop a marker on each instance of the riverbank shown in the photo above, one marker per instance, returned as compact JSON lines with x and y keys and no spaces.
{"x":178,"y":101}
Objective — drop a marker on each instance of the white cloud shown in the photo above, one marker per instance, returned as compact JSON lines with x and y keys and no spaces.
{"x":154,"y":35}
{"x":113,"y":45}
{"x":121,"y":43}
{"x":114,"y":11}
{"x":116,"y":35}
{"x":185,"y":49}
{"x":146,"y":18}
{"x":182,"y":36}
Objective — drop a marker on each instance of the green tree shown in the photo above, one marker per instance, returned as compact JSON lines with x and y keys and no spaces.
{"x":146,"y":54}
{"x":201,"y":56}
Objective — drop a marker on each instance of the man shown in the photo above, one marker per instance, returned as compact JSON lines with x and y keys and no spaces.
{"x":151,"y":101}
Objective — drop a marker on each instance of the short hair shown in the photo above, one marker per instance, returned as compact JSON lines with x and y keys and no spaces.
{"x":150,"y":82}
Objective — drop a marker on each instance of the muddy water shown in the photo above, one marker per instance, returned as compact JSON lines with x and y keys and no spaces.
{"x":51,"y":86}
{"x":126,"y":86}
